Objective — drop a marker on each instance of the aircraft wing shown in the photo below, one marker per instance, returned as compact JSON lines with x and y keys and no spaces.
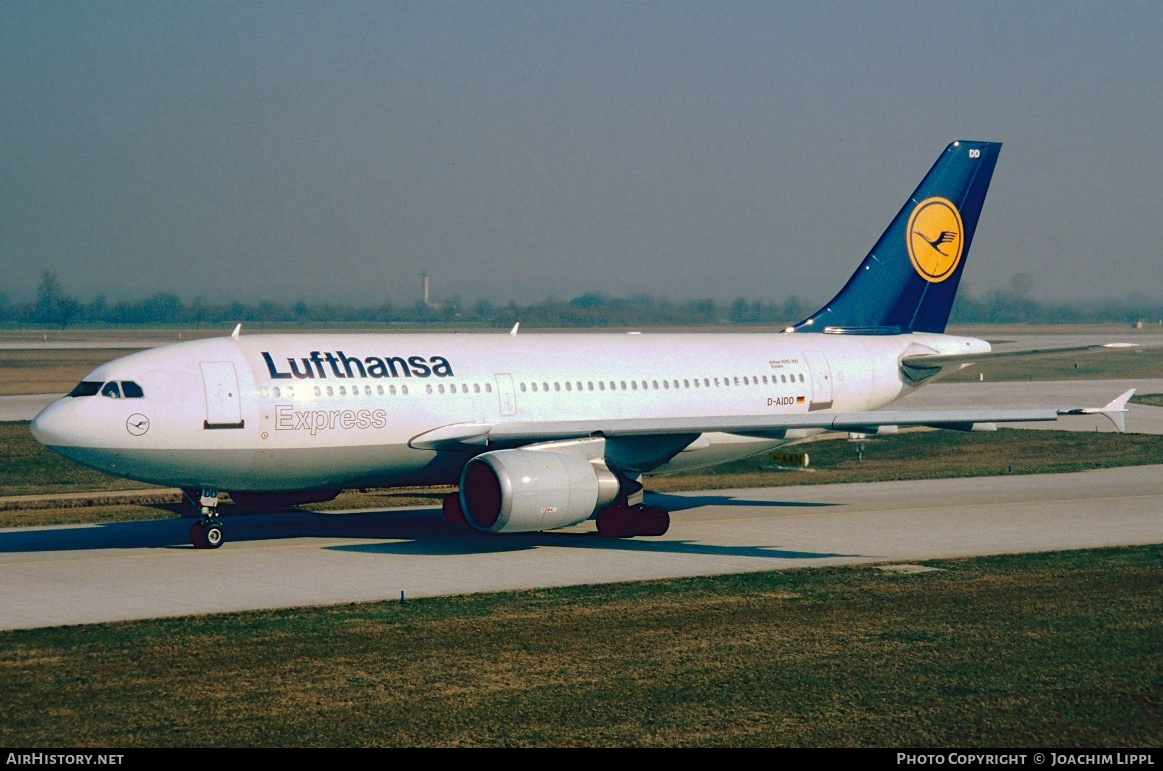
{"x":768,"y":426}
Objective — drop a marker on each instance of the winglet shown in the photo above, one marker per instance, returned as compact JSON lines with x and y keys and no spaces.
{"x":513,"y":331}
{"x":237,"y":329}
{"x":1115,"y":412}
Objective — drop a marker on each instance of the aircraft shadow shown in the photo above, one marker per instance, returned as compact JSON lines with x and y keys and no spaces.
{"x":407,"y":531}
{"x":683,"y":502}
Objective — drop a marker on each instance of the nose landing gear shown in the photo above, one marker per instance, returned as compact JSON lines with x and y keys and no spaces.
{"x":206,"y":533}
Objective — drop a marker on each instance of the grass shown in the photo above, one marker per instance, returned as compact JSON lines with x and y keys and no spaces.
{"x":1062,"y":649}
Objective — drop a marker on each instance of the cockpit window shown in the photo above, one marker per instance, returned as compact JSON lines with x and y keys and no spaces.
{"x":111,"y":390}
{"x":131,"y":390}
{"x":86,"y":388}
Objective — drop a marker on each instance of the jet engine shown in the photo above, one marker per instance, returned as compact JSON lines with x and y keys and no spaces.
{"x":526,"y":490}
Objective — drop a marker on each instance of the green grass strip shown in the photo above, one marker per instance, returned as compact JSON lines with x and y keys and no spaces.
{"x":1043,"y":650}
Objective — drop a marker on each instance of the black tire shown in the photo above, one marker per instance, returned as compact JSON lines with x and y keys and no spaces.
{"x":655,"y":521}
{"x":617,"y":522}
{"x":206,"y":536}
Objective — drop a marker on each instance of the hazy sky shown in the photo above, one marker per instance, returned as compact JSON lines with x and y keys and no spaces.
{"x":334,"y":150}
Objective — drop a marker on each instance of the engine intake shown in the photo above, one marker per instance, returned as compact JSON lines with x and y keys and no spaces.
{"x":524,"y":490}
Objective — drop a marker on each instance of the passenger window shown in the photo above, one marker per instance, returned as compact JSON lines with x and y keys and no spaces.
{"x":111,"y":390}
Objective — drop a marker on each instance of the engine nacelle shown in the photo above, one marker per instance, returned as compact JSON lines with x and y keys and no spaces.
{"x":521,"y":491}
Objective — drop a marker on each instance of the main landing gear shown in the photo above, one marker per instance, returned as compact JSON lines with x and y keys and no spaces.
{"x":623,"y":521}
{"x":206,"y":533}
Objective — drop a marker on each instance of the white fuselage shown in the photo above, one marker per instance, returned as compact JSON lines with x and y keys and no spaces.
{"x":329,"y":411}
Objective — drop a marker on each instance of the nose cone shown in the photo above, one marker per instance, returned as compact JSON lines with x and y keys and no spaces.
{"x":52,"y":426}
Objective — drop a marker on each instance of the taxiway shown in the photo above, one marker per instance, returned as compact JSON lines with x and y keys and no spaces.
{"x":52,"y":576}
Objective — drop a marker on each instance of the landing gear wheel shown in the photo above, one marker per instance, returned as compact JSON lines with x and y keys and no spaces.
{"x":206,"y":535}
{"x":629,"y":521}
{"x":654,"y":520}
{"x":612,"y":523}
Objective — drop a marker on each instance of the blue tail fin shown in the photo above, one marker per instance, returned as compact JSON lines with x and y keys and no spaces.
{"x":908,"y":281}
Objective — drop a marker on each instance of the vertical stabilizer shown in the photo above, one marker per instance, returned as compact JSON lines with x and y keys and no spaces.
{"x":908,"y":281}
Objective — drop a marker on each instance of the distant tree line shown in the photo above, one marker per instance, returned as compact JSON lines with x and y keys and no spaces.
{"x":53,"y":306}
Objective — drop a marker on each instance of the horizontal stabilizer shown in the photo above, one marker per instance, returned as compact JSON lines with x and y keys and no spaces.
{"x":919,"y":367}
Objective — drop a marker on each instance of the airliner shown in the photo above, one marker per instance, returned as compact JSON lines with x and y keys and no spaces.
{"x":543,"y":431}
